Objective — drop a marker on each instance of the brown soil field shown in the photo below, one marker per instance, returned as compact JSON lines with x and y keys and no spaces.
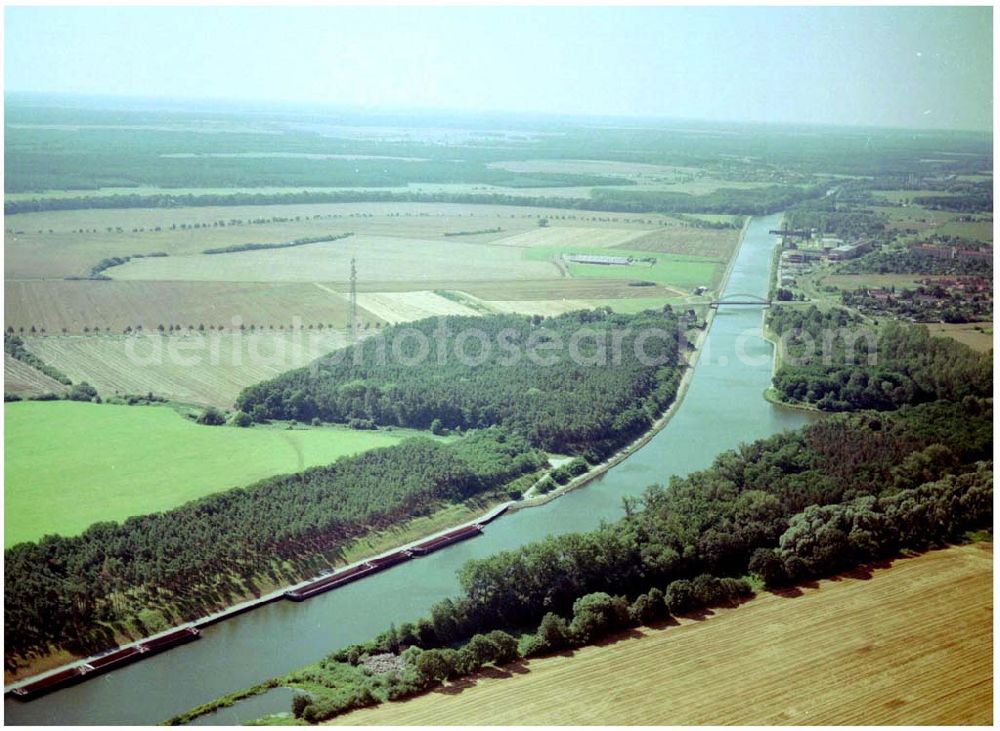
{"x":716,"y":244}
{"x":556,"y":289}
{"x":22,"y":379}
{"x":977,"y":335}
{"x":910,"y":644}
{"x":57,"y":304}
{"x":202,"y":369}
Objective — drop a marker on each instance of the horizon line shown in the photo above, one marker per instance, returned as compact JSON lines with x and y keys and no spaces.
{"x":314,"y":105}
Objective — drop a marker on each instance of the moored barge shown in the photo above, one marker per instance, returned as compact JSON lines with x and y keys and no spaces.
{"x":104,"y":663}
{"x":446,"y":539}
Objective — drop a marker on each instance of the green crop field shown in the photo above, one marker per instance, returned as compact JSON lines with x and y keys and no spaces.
{"x":675,"y":270}
{"x":70,"y":464}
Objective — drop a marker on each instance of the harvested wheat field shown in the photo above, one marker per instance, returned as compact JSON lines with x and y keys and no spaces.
{"x":572,"y":236}
{"x":61,"y":306}
{"x":910,"y":644}
{"x":396,"y":307}
{"x":210,"y":368}
{"x":22,"y":379}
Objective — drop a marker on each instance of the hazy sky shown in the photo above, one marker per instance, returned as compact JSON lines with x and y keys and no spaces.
{"x":911,"y":67}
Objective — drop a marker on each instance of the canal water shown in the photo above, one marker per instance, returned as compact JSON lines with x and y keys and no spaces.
{"x":724,"y":406}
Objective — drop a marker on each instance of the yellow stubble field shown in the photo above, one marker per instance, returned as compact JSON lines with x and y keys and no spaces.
{"x":910,"y":644}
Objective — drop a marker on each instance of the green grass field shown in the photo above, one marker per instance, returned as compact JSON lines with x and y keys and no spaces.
{"x":71,"y":464}
{"x":678,"y":270}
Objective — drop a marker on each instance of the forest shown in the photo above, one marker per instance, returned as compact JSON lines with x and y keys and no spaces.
{"x":755,"y":202}
{"x":71,"y":592}
{"x":733,"y":201}
{"x":842,"y":491}
{"x":523,"y":374}
{"x":836,"y":363}
{"x":914,"y":260}
{"x":840,"y":215}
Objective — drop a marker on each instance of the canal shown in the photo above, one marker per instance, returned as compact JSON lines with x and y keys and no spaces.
{"x":723,"y":407}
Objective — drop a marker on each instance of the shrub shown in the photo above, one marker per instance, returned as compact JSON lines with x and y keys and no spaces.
{"x":82,"y":391}
{"x":768,"y":567}
{"x":547,"y":485}
{"x":553,"y":633}
{"x":597,"y":614}
{"x":679,"y":597}
{"x":211,"y":417}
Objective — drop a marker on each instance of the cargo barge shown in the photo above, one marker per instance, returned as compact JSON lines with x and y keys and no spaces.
{"x":347,"y":576}
{"x":381,"y":563}
{"x":121,"y":656}
{"x":104,"y":663}
{"x":446,"y":539}
{"x":171,"y":639}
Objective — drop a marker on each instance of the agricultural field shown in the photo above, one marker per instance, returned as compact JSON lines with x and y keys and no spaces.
{"x":711,"y":243}
{"x":674,"y":271}
{"x":21,"y":379}
{"x":874,"y":280}
{"x":395,"y":307}
{"x":571,"y":236}
{"x":977,"y":335}
{"x":550,"y":308}
{"x":868,"y":647}
{"x":557,"y":289}
{"x":379,"y":258}
{"x":590,"y":167}
{"x":61,"y":306}
{"x":979,"y":230}
{"x":210,"y":368}
{"x":70,"y":464}
{"x":923,"y":221}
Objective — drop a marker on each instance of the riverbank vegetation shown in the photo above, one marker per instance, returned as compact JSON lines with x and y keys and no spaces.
{"x":837,"y":363}
{"x":795,"y":506}
{"x":78,"y":592}
{"x":788,"y":641}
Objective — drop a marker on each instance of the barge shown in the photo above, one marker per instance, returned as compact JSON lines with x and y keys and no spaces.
{"x":331,"y":582}
{"x":381,"y":563}
{"x":104,"y":663}
{"x":171,"y":639}
{"x":446,"y":539}
{"x":62,"y":679}
{"x":120,"y":656}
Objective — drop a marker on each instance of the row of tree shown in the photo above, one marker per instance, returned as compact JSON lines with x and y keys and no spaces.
{"x":726,"y":201}
{"x":286,"y":245}
{"x":14,"y":346}
{"x":927,"y":463}
{"x":797,"y":505}
{"x":58,"y":591}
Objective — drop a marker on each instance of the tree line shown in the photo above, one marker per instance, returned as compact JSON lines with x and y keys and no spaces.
{"x":66,"y":591}
{"x":727,"y":201}
{"x":14,"y":346}
{"x":797,"y":505}
{"x":289,"y":244}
